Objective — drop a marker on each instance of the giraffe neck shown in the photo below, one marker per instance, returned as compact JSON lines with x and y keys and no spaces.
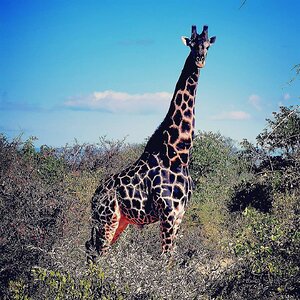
{"x":173,"y":138}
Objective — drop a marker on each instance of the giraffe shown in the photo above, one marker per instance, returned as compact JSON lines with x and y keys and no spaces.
{"x":158,"y":185}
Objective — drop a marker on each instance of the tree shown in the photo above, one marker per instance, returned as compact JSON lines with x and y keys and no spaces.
{"x":282,"y":136}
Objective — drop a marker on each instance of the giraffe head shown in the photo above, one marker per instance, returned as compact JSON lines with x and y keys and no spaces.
{"x":199,"y":44}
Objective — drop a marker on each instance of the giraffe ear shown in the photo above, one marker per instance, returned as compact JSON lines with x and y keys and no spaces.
{"x":212,"y":39}
{"x":186,"y":41}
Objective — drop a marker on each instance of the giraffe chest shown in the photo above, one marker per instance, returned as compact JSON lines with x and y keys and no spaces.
{"x":141,"y":188}
{"x":133,"y":190}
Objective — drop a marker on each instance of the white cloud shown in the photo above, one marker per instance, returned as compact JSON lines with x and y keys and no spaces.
{"x":255,"y":101}
{"x":113,"y":101}
{"x":286,"y":96}
{"x":232,"y":115}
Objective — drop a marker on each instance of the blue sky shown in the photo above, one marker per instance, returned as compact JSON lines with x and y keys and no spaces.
{"x":84,"y":69}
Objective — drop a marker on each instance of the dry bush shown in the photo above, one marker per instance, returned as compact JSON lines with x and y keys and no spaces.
{"x":87,"y":165}
{"x":136,"y":261}
{"x":105,"y":157}
{"x":31,"y":209}
{"x":135,"y":269}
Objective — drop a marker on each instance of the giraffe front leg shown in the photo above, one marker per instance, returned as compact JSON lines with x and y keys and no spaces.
{"x":104,"y":227}
{"x":101,"y":238}
{"x":95,"y":244}
{"x":169,"y":225}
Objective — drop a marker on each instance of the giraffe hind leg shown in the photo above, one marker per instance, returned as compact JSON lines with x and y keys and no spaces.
{"x":169,"y":225}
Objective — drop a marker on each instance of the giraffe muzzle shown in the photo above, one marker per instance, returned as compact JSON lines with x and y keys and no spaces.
{"x":200,"y":62}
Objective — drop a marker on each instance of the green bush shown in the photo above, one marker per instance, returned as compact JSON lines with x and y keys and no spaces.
{"x":49,"y":284}
{"x":215,"y":168}
{"x":271,"y":245}
{"x":267,"y":247}
{"x":276,"y":157}
{"x":268,"y":241}
{"x":214,"y":155}
{"x":266,"y":215}
{"x":255,"y":194}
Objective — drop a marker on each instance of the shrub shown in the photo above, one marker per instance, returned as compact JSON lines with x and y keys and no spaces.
{"x":257,"y":195}
{"x":264,"y":210}
{"x":267,"y":248}
{"x":87,"y":165}
{"x":213,"y":155}
{"x":239,"y":238}
{"x":277,"y":154}
{"x":271,"y":245}
{"x":49,"y":284}
{"x":31,"y":210}
{"x":215,"y":168}
{"x":106,"y":156}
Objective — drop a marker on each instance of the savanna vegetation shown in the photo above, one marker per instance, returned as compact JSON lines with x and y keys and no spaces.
{"x":239,"y":239}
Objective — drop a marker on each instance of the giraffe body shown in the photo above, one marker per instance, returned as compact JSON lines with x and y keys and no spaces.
{"x":158,"y":185}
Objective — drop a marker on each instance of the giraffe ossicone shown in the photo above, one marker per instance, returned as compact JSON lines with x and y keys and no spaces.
{"x":157,"y":187}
